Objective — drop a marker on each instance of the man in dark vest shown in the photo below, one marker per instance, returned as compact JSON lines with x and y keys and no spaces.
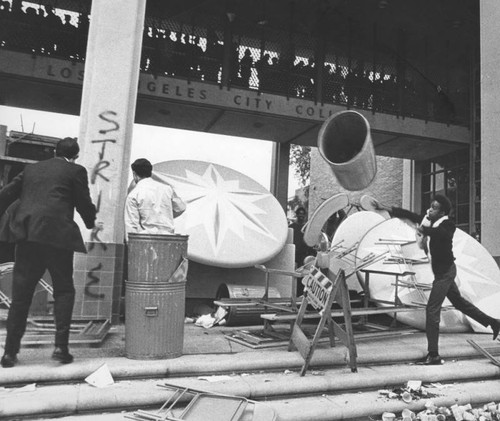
{"x":46,"y":238}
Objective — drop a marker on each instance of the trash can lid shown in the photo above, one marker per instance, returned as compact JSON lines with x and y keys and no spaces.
{"x":232,"y":221}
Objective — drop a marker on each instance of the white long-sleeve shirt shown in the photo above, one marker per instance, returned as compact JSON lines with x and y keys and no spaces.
{"x":150,"y":208}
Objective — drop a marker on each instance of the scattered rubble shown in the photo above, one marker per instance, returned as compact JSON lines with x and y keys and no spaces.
{"x":213,"y":319}
{"x":488,"y":412}
{"x":414,"y":390}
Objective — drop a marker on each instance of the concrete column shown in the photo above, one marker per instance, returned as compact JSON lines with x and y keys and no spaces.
{"x":408,"y":187}
{"x":490,"y":125}
{"x":106,"y":123}
{"x":279,"y":172}
{"x":108,"y":105}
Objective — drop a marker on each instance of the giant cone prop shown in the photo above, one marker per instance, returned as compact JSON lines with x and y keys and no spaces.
{"x":344,"y":141}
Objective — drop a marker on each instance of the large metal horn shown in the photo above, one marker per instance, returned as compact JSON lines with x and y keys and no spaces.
{"x":344,"y":141}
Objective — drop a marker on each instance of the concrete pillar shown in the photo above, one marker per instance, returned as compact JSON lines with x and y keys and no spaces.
{"x":490,"y":125}
{"x":408,"y":186}
{"x":106,"y":123}
{"x":279,"y":172}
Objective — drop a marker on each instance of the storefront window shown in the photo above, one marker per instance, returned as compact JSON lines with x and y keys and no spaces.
{"x":449,"y":175}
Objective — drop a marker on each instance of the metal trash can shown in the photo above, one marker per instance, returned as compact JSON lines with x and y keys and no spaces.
{"x":154,"y":320}
{"x":155,"y":296}
{"x":154,"y":257}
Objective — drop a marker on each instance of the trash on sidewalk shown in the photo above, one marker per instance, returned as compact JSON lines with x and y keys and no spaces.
{"x":209,"y":320}
{"x":488,"y":412}
{"x":185,"y":404}
{"x":388,"y":416}
{"x":212,"y":379}
{"x":413,"y":391}
{"x":101,"y":377}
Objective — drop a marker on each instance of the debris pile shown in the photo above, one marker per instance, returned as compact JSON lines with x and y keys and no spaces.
{"x":413,"y":391}
{"x":488,"y":412}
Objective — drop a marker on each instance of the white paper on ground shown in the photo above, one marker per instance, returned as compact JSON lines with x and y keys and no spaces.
{"x":101,"y":377}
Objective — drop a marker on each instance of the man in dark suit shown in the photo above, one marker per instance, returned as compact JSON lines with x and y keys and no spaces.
{"x":46,"y":237}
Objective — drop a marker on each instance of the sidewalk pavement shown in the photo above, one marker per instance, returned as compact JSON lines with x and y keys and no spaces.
{"x":210,"y":351}
{"x":269,"y":374}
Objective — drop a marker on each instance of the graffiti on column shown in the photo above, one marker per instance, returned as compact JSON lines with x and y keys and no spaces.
{"x":94,"y":280}
{"x":98,"y":171}
{"x":94,"y":236}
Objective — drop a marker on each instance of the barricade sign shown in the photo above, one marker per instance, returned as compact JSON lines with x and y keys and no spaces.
{"x":318,"y":288}
{"x":320,"y":292}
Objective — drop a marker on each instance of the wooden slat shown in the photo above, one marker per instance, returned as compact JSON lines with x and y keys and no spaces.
{"x":300,"y":341}
{"x":340,"y":333}
{"x":340,"y":313}
{"x":249,"y":302}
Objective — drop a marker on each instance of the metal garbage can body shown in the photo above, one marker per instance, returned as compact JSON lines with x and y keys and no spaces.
{"x":154,"y":257}
{"x":154,"y":320}
{"x":154,"y":300}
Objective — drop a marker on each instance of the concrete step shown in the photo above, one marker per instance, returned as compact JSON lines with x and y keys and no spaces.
{"x":392,"y":350}
{"x":321,"y":394}
{"x":254,"y":374}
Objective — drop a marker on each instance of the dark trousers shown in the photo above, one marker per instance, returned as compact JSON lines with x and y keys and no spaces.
{"x":444,"y":286}
{"x":31,"y":261}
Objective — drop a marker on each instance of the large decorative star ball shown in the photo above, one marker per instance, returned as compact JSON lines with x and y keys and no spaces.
{"x":232,"y":221}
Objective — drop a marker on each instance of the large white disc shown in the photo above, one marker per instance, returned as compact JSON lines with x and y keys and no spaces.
{"x":396,"y":232}
{"x":350,"y":232}
{"x":232,"y":221}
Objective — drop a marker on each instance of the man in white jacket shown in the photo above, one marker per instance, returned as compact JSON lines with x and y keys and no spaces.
{"x":150,"y":208}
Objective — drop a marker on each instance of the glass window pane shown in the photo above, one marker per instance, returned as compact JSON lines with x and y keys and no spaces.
{"x":426,"y":183}
{"x":463,"y":157}
{"x":463,"y":193}
{"x":426,"y":200}
{"x":439,"y":183}
{"x":462,"y":214}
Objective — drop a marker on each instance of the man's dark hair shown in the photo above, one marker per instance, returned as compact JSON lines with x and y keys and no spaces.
{"x":444,"y":203}
{"x":68,"y":148}
{"x":142,"y":167}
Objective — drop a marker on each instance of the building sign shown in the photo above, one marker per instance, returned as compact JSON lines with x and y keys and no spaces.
{"x":57,"y":70}
{"x":318,"y":288}
{"x":198,"y":92}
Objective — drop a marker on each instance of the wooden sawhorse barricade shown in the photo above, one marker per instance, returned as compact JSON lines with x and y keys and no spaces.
{"x":320,"y":292}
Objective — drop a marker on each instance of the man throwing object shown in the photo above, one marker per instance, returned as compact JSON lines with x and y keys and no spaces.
{"x":440,"y":229}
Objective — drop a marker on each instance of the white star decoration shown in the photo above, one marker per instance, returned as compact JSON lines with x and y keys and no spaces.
{"x":220,"y":205}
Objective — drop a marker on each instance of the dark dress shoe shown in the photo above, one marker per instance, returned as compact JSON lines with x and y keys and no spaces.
{"x":62,"y":355}
{"x":430,"y":360}
{"x":8,"y":361}
{"x":495,"y":326}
